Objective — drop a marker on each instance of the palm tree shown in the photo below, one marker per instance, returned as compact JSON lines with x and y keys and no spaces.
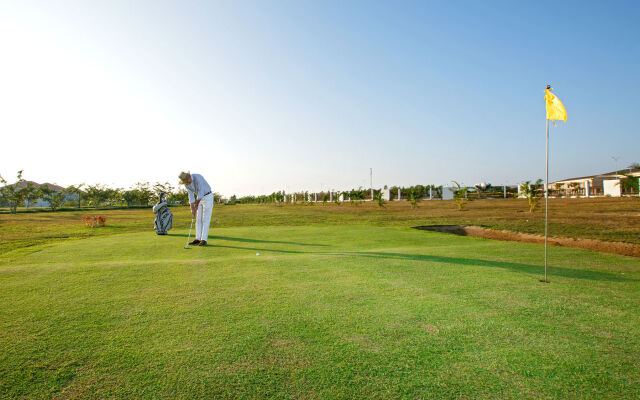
{"x":558,"y":188}
{"x":575,"y":187}
{"x":630,"y":183}
{"x":533,"y":193}
{"x":460,"y":195}
{"x":336,"y":197}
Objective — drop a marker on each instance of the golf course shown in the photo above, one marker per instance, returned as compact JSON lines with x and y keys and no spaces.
{"x":318,"y":302}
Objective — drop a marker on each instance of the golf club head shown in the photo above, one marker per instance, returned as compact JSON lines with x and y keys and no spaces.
{"x":187,"y":247}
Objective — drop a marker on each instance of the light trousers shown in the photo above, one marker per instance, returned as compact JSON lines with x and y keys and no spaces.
{"x":203,"y":217}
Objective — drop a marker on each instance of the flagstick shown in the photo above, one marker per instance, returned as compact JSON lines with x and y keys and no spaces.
{"x":546,"y":210}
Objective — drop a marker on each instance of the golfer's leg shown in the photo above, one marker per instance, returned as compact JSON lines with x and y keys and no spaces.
{"x":199,"y":221}
{"x":207,"y":203}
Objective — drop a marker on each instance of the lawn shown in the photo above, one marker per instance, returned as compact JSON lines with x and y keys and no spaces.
{"x":329,"y":309}
{"x":610,"y":219}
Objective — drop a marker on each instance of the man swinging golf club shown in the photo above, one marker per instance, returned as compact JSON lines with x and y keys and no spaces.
{"x":201,"y":202}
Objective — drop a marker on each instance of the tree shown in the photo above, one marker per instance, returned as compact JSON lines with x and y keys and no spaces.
{"x":145,"y":194}
{"x":378,"y":197}
{"x":165,"y":188}
{"x":30,"y":193}
{"x":630,"y":183}
{"x":96,"y":194}
{"x":55,"y":198}
{"x":634,"y":165}
{"x":114,"y":196}
{"x":325,"y":198}
{"x":558,"y":189}
{"x":459,"y":195}
{"x":575,"y":187}
{"x":336,"y":197}
{"x":181,"y":196}
{"x":306,"y":198}
{"x":77,"y":190}
{"x":533,"y":193}
{"x":414,"y":196}
{"x":130,"y":197}
{"x":356,"y":196}
{"x":9,"y":195}
{"x":352,"y":196}
{"x":361,"y":193}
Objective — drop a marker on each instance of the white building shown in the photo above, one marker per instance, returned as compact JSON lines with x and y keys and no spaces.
{"x":608,"y":184}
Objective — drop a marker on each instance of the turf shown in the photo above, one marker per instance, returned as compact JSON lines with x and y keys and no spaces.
{"x":325,"y":311}
{"x":610,"y":219}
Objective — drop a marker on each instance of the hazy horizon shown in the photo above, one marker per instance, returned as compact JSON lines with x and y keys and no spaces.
{"x":294,"y":95}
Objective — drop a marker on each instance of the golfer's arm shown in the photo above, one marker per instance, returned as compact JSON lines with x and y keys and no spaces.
{"x":192,"y":198}
{"x":200,"y":186}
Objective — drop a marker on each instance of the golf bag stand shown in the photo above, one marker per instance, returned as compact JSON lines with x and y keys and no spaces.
{"x":164,"y":217}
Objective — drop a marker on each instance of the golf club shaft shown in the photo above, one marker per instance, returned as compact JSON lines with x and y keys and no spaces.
{"x":189,"y":237}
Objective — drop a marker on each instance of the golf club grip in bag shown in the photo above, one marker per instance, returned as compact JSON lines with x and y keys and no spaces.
{"x":164,"y":218}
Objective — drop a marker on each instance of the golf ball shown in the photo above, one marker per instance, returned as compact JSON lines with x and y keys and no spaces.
{"x":257,"y":254}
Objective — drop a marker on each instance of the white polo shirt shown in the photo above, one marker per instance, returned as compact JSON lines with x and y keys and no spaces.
{"x":197,"y":188}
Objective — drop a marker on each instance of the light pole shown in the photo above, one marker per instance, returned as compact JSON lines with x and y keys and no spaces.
{"x":371,"y":182}
{"x":615,"y":161}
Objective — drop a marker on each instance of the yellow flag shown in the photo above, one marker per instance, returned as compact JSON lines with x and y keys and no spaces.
{"x":555,"y":109}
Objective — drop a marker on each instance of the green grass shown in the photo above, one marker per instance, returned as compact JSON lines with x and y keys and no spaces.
{"x":330,"y":309}
{"x":611,"y":219}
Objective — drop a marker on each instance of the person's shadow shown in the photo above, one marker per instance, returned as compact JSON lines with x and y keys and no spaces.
{"x":246,"y":240}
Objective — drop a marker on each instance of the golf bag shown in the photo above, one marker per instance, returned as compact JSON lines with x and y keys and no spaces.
{"x":164,"y":217}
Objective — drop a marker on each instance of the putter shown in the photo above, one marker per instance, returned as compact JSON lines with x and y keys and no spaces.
{"x":189,"y":237}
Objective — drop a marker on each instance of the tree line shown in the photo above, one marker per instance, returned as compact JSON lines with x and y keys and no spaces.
{"x":413,"y":193}
{"x":25,"y":193}
{"x":22,"y":192}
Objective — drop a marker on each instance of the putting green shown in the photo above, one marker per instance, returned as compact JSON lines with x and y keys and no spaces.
{"x":323,"y":312}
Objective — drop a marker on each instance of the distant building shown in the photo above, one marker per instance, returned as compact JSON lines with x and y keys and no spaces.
{"x":607,"y":184}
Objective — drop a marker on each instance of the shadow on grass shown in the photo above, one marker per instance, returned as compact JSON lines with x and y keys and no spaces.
{"x":256,"y":249}
{"x":472,"y":262}
{"x":519,"y":267}
{"x":245,"y":240}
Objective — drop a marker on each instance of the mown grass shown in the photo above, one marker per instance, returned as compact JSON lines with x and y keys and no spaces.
{"x":325,"y":311}
{"x":612,"y":219}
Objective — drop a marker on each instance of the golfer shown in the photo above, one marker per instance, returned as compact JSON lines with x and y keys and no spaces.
{"x":201,"y":202}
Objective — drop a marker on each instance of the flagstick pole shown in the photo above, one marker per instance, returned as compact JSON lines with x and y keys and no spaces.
{"x":546,"y":209}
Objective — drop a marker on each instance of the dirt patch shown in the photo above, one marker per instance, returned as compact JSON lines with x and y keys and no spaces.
{"x":432,"y":329}
{"x":626,"y":249}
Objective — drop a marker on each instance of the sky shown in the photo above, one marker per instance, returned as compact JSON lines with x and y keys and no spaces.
{"x":261,"y":96}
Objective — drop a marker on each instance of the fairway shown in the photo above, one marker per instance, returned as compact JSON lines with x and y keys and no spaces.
{"x":336,"y":311}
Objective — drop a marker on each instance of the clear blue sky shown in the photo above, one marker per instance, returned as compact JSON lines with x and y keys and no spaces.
{"x":262,"y":96}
